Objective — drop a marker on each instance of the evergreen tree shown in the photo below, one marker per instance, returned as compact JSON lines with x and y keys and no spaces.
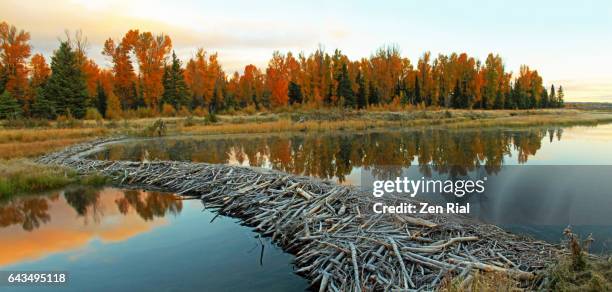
{"x":9,"y":107}
{"x":295,"y":93}
{"x":456,"y":97}
{"x":560,"y":97}
{"x":66,"y":88}
{"x":176,"y":92}
{"x":417,"y":91}
{"x":101,"y":99}
{"x":345,"y":90}
{"x":544,"y":103}
{"x":552,"y":96}
{"x":373,"y":96}
{"x":43,"y":108}
{"x":362,"y":98}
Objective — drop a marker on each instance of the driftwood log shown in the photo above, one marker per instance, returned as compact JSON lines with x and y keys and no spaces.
{"x":339,"y":244}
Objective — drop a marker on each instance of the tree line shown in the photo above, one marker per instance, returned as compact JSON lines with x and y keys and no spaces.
{"x":146,"y":75}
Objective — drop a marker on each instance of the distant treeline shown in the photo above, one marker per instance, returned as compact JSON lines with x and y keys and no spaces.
{"x":147,"y":77}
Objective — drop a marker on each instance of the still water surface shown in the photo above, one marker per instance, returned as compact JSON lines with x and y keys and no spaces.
{"x":129,"y":240}
{"x":113,"y":239}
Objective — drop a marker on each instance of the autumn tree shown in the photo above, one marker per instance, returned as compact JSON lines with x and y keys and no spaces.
{"x":151,"y":53}
{"x":251,"y":87}
{"x":124,"y":79}
{"x":14,"y":52}
{"x":39,"y":71}
{"x":277,"y":80}
{"x":493,"y":73}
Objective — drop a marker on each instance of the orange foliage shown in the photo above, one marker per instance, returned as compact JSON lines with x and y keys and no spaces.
{"x":278,"y":80}
{"x":15,"y":50}
{"x":39,"y":71}
{"x":151,"y":53}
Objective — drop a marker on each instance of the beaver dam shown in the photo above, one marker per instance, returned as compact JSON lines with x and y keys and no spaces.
{"x":339,"y":244}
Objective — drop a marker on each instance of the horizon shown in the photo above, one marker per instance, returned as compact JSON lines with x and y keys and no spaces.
{"x":567,"y":44}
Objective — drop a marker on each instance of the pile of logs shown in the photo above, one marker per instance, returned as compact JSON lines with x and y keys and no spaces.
{"x":339,"y":244}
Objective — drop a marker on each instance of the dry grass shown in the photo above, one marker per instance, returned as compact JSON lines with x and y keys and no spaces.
{"x":30,"y":142}
{"x":32,"y":149}
{"x":24,"y":176}
{"x":359,"y":120}
{"x":33,"y":142}
{"x":285,"y":125}
{"x":480,"y":281}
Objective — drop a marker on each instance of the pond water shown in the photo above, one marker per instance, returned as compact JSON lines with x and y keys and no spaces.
{"x":540,"y":179}
{"x":118,"y":240}
{"x":129,"y":240}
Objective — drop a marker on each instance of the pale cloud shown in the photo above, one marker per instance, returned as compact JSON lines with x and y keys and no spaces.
{"x":100,"y":20}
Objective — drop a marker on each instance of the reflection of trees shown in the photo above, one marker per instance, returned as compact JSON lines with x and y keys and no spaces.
{"x":29,"y":212}
{"x":84,"y":200}
{"x":148,"y":205}
{"x":455,"y":153}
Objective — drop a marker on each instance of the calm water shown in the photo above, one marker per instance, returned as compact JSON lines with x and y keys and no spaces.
{"x":127,"y":240}
{"x":540,"y":179}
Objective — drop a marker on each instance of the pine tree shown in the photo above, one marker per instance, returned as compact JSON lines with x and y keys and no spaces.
{"x":43,"y":108}
{"x":456,"y":97}
{"x":9,"y":107}
{"x":560,"y":97}
{"x":101,"y":99}
{"x":345,"y":90}
{"x":362,"y":98}
{"x":417,"y":91}
{"x":544,"y":103}
{"x":373,"y":96}
{"x":295,"y":93}
{"x":552,"y":96}
{"x":176,"y":92}
{"x":66,"y":87}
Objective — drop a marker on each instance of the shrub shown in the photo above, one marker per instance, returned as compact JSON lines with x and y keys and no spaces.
{"x":68,"y":121}
{"x":212,"y":118}
{"x":200,"y":112}
{"x":184,"y":112}
{"x":92,"y":114}
{"x":26,"y":123}
{"x":249,"y":110}
{"x":168,"y":110}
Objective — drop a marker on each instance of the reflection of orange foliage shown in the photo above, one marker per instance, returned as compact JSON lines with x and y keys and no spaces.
{"x":27,"y":212}
{"x":148,"y":204}
{"x":63,"y":230}
{"x":335,"y":156}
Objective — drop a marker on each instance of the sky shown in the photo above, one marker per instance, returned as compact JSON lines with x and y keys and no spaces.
{"x":568,"y":42}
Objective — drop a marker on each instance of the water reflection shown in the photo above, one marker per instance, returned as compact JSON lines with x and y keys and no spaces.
{"x":110,"y":238}
{"x":335,"y":156}
{"x":77,"y":216}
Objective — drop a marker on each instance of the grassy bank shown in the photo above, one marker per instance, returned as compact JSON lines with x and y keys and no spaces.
{"x":20,"y":141}
{"x":356,"y":120}
{"x":37,"y":139}
{"x":20,"y":176}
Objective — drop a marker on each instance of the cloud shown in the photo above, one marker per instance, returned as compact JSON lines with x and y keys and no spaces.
{"x":100,"y":20}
